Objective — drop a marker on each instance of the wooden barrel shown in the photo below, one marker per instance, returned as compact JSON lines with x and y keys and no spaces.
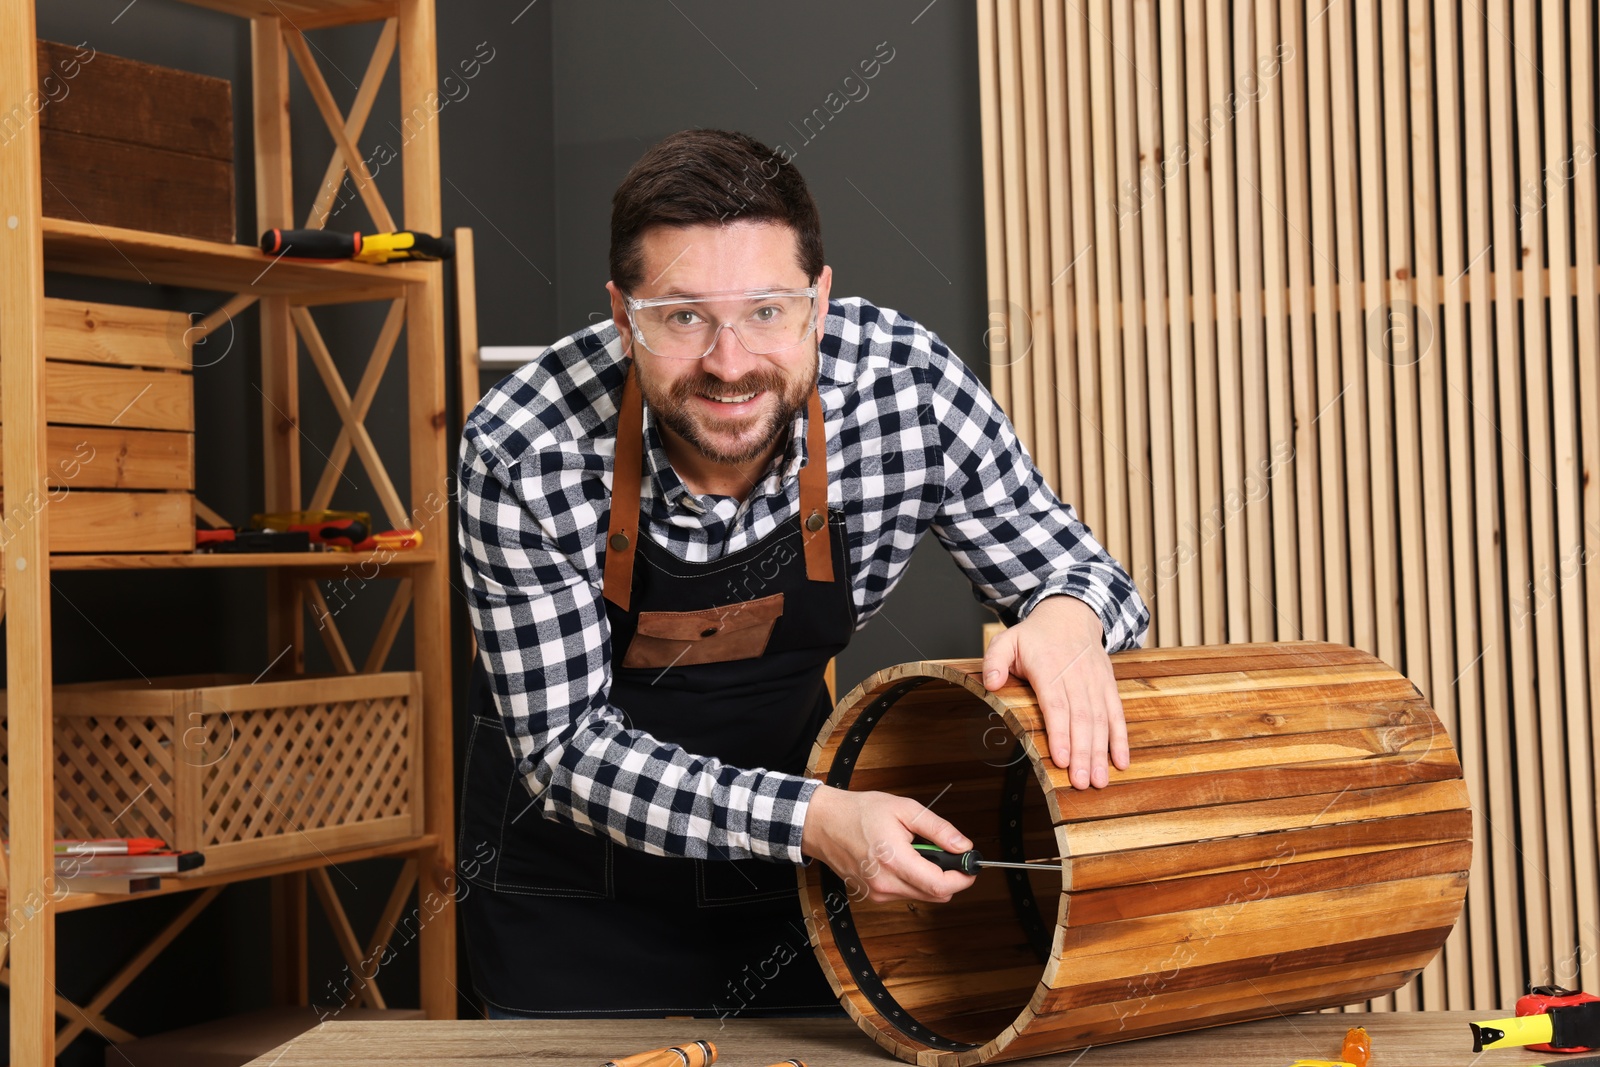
{"x":1293,"y":833}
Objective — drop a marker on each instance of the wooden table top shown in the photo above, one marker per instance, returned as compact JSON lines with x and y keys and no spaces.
{"x":1400,"y":1039}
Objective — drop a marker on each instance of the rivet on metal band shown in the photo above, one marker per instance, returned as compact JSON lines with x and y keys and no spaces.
{"x":619,"y":542}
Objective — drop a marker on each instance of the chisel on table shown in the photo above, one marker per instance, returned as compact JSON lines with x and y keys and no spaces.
{"x":971,"y":861}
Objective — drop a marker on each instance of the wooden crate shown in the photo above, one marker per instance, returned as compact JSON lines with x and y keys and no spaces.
{"x":248,"y":773}
{"x":129,"y":144}
{"x":119,"y":400}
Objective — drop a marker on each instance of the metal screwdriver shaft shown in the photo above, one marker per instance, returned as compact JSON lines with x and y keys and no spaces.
{"x":971,"y":861}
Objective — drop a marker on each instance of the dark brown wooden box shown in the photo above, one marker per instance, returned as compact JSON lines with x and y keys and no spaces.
{"x":129,"y":144}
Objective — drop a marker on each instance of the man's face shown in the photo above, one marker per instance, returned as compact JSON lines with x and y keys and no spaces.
{"x":732,"y":406}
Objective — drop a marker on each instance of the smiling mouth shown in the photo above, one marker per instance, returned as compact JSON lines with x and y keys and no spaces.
{"x":740,"y":399}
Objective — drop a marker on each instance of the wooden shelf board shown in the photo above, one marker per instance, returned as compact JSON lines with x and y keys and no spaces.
{"x":328,"y":561}
{"x":134,"y":255}
{"x":305,"y":14}
{"x":201,"y":880}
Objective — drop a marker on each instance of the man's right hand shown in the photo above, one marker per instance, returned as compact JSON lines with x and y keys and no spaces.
{"x":866,"y":839}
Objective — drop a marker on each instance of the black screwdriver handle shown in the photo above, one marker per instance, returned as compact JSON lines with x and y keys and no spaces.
{"x":310,"y":244}
{"x":967,"y":862}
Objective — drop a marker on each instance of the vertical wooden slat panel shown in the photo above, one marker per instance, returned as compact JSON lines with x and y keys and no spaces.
{"x":1130,"y":253}
{"x":1229,"y":368}
{"x":1371,"y":93}
{"x":1586,"y":231}
{"x":1307,"y":487}
{"x":1039,"y":368}
{"x":1472,"y":934}
{"x":1153,"y":234}
{"x":1277,"y":466}
{"x":1433,"y":471}
{"x":1558,"y":595}
{"x":1495,"y":805}
{"x":1525,"y":472}
{"x":1061,"y":282}
{"x":997,"y":334}
{"x":1329,"y":280}
{"x":1118,"y":467}
{"x":1407,"y":592}
{"x":1516,"y":722}
{"x":1375,"y":322}
{"x":1344,"y":251}
{"x":1017,"y":324}
{"x":1184,"y":564}
{"x":1246,"y":88}
{"x":1209,"y":536}
{"x":1351,"y":401}
{"x":1081,"y":269}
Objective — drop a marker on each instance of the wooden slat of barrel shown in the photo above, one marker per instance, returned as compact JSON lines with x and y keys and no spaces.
{"x":1234,"y":1002}
{"x":1201,"y":855}
{"x":1294,"y":824}
{"x":1251,"y":883}
{"x":1326,"y":778}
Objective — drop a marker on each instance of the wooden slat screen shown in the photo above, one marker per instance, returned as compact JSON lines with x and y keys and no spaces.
{"x":1298,"y":303}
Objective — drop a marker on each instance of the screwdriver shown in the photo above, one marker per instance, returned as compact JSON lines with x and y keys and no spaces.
{"x":970,"y":861}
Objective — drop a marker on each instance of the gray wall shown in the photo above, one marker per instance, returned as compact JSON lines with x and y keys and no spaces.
{"x":575,"y":91}
{"x":893,"y":163}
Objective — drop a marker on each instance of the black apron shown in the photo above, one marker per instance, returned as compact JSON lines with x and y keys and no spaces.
{"x":725,"y":658}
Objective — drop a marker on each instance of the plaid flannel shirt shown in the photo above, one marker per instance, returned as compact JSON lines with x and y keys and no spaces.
{"x":915,"y":443}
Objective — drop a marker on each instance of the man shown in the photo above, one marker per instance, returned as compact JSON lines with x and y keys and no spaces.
{"x":670,"y":523}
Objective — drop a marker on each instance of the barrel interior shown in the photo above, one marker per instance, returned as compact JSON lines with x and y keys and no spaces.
{"x":960,"y":972}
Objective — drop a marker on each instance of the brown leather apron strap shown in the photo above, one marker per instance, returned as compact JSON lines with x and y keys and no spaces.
{"x":623,"y":535}
{"x":814,"y":495}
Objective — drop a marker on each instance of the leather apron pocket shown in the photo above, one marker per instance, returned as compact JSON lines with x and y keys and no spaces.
{"x":530,"y":854}
{"x":665,"y":639}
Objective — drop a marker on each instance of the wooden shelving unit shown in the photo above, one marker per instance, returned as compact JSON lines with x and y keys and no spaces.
{"x":31,"y":244}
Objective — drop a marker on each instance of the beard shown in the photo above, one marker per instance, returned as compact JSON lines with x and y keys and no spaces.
{"x":723,"y":441}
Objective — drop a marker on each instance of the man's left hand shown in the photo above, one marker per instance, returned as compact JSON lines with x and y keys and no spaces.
{"x":1059,"y":650}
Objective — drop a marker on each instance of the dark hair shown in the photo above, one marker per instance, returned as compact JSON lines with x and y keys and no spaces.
{"x":715,"y":176}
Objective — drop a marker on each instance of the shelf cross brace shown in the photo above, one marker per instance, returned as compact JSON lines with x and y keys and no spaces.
{"x":354,"y":123}
{"x":353,"y":411}
{"x":92,"y":1015}
{"x":364,"y":968}
{"x":336,"y":124}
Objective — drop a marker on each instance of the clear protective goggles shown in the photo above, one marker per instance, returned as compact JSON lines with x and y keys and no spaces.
{"x":687,"y":327}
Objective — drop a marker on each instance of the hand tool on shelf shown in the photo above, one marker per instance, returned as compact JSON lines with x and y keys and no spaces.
{"x":363,"y":248}
{"x":393,"y":540}
{"x":231,"y":540}
{"x":1569,"y":1024}
{"x":694,"y":1054}
{"x":342,"y":529}
{"x":972,"y":861}
{"x":109,"y":846}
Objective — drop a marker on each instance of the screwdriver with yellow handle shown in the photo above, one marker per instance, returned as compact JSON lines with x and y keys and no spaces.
{"x":363,"y":248}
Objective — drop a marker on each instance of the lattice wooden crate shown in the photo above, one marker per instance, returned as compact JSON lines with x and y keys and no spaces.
{"x":247,"y":773}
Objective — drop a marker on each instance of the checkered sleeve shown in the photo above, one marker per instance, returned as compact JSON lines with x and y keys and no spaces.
{"x":532,"y":559}
{"x":1016,"y":541}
